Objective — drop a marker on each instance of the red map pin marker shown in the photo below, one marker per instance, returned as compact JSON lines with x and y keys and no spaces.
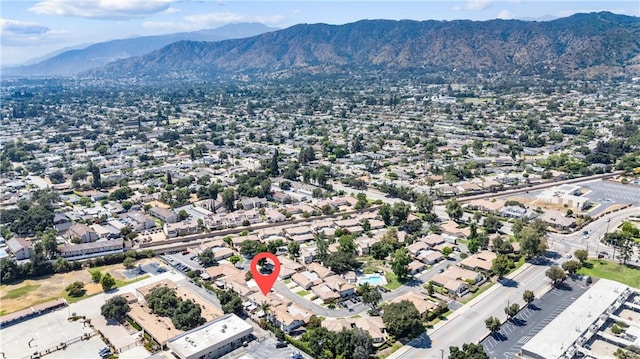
{"x":265,"y":282}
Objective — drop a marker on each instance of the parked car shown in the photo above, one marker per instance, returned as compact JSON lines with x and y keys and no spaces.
{"x":281,"y":344}
{"x":296,"y":355}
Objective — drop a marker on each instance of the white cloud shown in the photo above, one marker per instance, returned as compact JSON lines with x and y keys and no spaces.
{"x":16,"y":33}
{"x":101,"y":9}
{"x":211,"y":20}
{"x":222,"y":18}
{"x":505,"y":14}
{"x":172,"y":10}
{"x":474,"y":5}
{"x":17,"y":27}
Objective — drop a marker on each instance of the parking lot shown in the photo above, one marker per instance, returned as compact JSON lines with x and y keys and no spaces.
{"x":265,"y":349}
{"x":609,"y":193}
{"x":528,"y":322}
{"x":45,"y":333}
{"x":183,"y":262}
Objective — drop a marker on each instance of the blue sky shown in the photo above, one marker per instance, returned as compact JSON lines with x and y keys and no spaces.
{"x":31,"y":29}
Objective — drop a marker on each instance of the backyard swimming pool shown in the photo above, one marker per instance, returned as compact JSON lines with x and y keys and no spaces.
{"x":372,"y":279}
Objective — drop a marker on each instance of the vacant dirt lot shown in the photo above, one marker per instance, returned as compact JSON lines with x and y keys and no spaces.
{"x":30,"y":292}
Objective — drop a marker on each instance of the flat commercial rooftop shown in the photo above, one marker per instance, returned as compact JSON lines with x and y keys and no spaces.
{"x":210,"y":335}
{"x":567,"y":327}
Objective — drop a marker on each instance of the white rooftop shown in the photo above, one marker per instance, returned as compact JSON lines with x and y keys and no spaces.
{"x":567,"y":327}
{"x":213,"y":334}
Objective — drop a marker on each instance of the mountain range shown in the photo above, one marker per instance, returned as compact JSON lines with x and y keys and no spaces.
{"x":578,"y":44}
{"x":76,"y":60}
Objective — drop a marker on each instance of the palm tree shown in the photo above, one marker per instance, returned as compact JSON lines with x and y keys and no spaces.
{"x":265,"y":306}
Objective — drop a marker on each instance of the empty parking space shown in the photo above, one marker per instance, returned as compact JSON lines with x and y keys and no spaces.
{"x":609,"y":193}
{"x":529,"y":321}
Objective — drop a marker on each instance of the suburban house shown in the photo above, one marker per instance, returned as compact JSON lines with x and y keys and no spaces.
{"x":457,"y":280}
{"x":430,"y":257}
{"x":164,"y":214}
{"x":372,"y":325}
{"x":340,"y":286}
{"x":82,"y":232}
{"x":416,"y":267}
{"x":306,"y":279}
{"x":325,"y":293}
{"x":320,"y":270}
{"x":20,"y":247}
{"x":558,"y":220}
{"x":289,"y":317}
{"x":138,"y":221}
{"x":481,"y":261}
{"x":421,"y":302}
{"x":180,"y":228}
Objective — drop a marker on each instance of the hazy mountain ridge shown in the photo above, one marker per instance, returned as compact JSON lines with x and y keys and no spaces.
{"x":568,"y":45}
{"x":97,"y":55}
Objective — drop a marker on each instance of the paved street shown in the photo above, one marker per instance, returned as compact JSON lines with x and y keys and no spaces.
{"x":466,"y":325}
{"x":567,"y":243}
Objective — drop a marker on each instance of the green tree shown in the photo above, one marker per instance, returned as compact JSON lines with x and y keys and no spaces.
{"x":341,"y":262}
{"x":446,"y":251}
{"x":581,"y":255}
{"x":531,"y":242}
{"x":129,"y":262}
{"x":400,"y":212}
{"x":403,"y":320}
{"x":363,"y":202}
{"x":49,"y":244}
{"x":346,"y":244}
{"x":231,"y":302}
{"x":424,"y":204}
{"x":493,"y":324}
{"x":187,"y":315}
{"x":207,"y":258}
{"x":96,"y":275}
{"x":454,"y":210}
{"x":107,"y":282}
{"x":400,"y":260}
{"x":228,"y":199}
{"x":115,"y":308}
{"x":385,"y":213}
{"x":501,"y":265}
{"x":182,"y":215}
{"x":293,"y":248}
{"x":370,"y":295}
{"x":76,"y":289}
{"x":468,"y":351}
{"x":571,"y":266}
{"x":162,"y":301}
{"x":556,"y":274}
{"x":528,"y":296}
{"x":492,"y":224}
{"x":512,"y":310}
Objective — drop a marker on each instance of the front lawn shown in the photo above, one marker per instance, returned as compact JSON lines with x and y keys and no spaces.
{"x":392,"y":281}
{"x":609,"y":270}
{"x":303,"y":292}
